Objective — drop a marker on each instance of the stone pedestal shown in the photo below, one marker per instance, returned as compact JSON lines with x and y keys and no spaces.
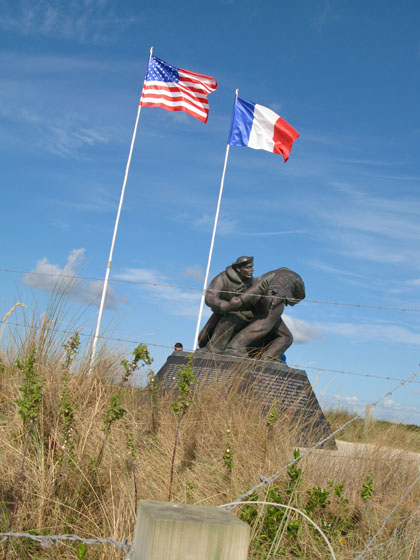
{"x":274,"y":384}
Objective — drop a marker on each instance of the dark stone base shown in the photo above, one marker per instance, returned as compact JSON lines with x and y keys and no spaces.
{"x":274,"y":384}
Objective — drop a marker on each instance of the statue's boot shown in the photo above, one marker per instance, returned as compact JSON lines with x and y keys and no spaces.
{"x":208,"y":349}
{"x":277,"y":348}
{"x":236,"y":352}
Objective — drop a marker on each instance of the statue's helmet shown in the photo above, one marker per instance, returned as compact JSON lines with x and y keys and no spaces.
{"x":241,"y":261}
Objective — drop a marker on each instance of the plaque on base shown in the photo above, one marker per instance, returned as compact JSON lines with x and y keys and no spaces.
{"x":273,"y":383}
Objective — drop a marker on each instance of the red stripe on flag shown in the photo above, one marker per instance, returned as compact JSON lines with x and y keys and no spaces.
{"x":173,"y":97}
{"x":208,"y":81}
{"x":171,"y":86}
{"x":177,"y":108}
{"x":283,"y":137}
{"x":173,"y":91}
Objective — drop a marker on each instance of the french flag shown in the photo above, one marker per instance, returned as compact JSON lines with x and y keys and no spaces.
{"x":260,"y":128}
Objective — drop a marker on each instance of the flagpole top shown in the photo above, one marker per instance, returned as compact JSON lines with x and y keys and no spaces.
{"x":151,"y":51}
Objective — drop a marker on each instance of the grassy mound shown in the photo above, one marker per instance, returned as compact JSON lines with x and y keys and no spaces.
{"x":79,"y":448}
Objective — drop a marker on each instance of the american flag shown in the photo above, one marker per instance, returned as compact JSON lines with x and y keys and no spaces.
{"x":176,"y":89}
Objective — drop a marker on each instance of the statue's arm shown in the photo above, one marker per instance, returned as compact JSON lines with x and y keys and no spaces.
{"x":215,"y":302}
{"x":254,"y":293}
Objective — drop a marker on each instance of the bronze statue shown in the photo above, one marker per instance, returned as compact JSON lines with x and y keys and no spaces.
{"x":247,"y":312}
{"x":230,"y":312}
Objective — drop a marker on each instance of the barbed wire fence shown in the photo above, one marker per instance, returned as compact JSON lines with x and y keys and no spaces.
{"x":73,"y":277}
{"x":126,"y":546}
{"x":48,"y":540}
{"x":387,"y":518}
{"x":264,"y":480}
{"x":167,"y":347}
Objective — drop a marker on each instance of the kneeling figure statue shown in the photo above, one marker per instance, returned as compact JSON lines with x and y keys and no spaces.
{"x":247,"y":311}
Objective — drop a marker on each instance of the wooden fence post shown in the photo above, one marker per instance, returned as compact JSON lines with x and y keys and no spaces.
{"x":168,"y":531}
{"x":368,"y":418}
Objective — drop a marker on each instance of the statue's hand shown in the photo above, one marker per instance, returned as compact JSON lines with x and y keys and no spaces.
{"x":234,"y":304}
{"x":263,"y":287}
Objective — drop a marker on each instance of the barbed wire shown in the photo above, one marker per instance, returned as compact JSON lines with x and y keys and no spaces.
{"x":48,"y":540}
{"x":387,"y":518}
{"x":415,"y":374}
{"x":103,"y":337}
{"x":125,"y":545}
{"x":299,"y":366}
{"x":269,"y":480}
{"x":357,"y":406}
{"x":296,"y":510}
{"x":244,"y":358}
{"x":196,"y":289}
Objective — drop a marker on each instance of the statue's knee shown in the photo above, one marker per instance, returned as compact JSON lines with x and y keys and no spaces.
{"x":261,"y":328}
{"x":287,"y":340}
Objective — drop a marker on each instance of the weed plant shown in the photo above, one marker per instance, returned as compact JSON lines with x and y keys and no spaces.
{"x":73,"y":482}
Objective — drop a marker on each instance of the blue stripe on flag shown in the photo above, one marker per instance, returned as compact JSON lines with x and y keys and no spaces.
{"x":242,"y":119}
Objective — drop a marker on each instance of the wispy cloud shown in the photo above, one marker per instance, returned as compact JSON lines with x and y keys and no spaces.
{"x":93,"y":198}
{"x":64,"y":135}
{"x":335,"y":270}
{"x":327,"y":14}
{"x":385,"y":216}
{"x":205,"y":222}
{"x":79,"y":20}
{"x":301,"y":330}
{"x":229,"y":226}
{"x":62,"y":225}
{"x":388,"y":409}
{"x":54,"y":279}
{"x":274,"y":233}
{"x":362,"y":332}
{"x":174,"y":300}
{"x":195,"y":272}
{"x":366,"y":226}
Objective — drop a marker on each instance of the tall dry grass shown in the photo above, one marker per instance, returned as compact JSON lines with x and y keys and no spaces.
{"x":66,"y":492}
{"x":385,"y":434}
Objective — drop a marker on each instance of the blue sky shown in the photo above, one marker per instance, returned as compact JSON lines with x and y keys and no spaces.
{"x":343,"y":211}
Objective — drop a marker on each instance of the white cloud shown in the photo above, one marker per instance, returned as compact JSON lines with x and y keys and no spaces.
{"x":51,"y":278}
{"x":63,"y":135}
{"x":372,"y":331}
{"x":195,"y":272}
{"x":301,"y":330}
{"x":387,"y":410}
{"x":79,"y":20}
{"x":352,"y":403}
{"x":176,"y":300}
{"x":94,"y":198}
{"x":269,"y":233}
{"x":322,"y":17}
{"x":229,"y":226}
{"x":225,"y":226}
{"x":383,"y":212}
{"x":363,"y":225}
{"x":335,"y":270}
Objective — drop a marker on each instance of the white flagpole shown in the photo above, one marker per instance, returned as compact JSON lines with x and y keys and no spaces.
{"x":108,"y":268}
{"x":216,"y":219}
